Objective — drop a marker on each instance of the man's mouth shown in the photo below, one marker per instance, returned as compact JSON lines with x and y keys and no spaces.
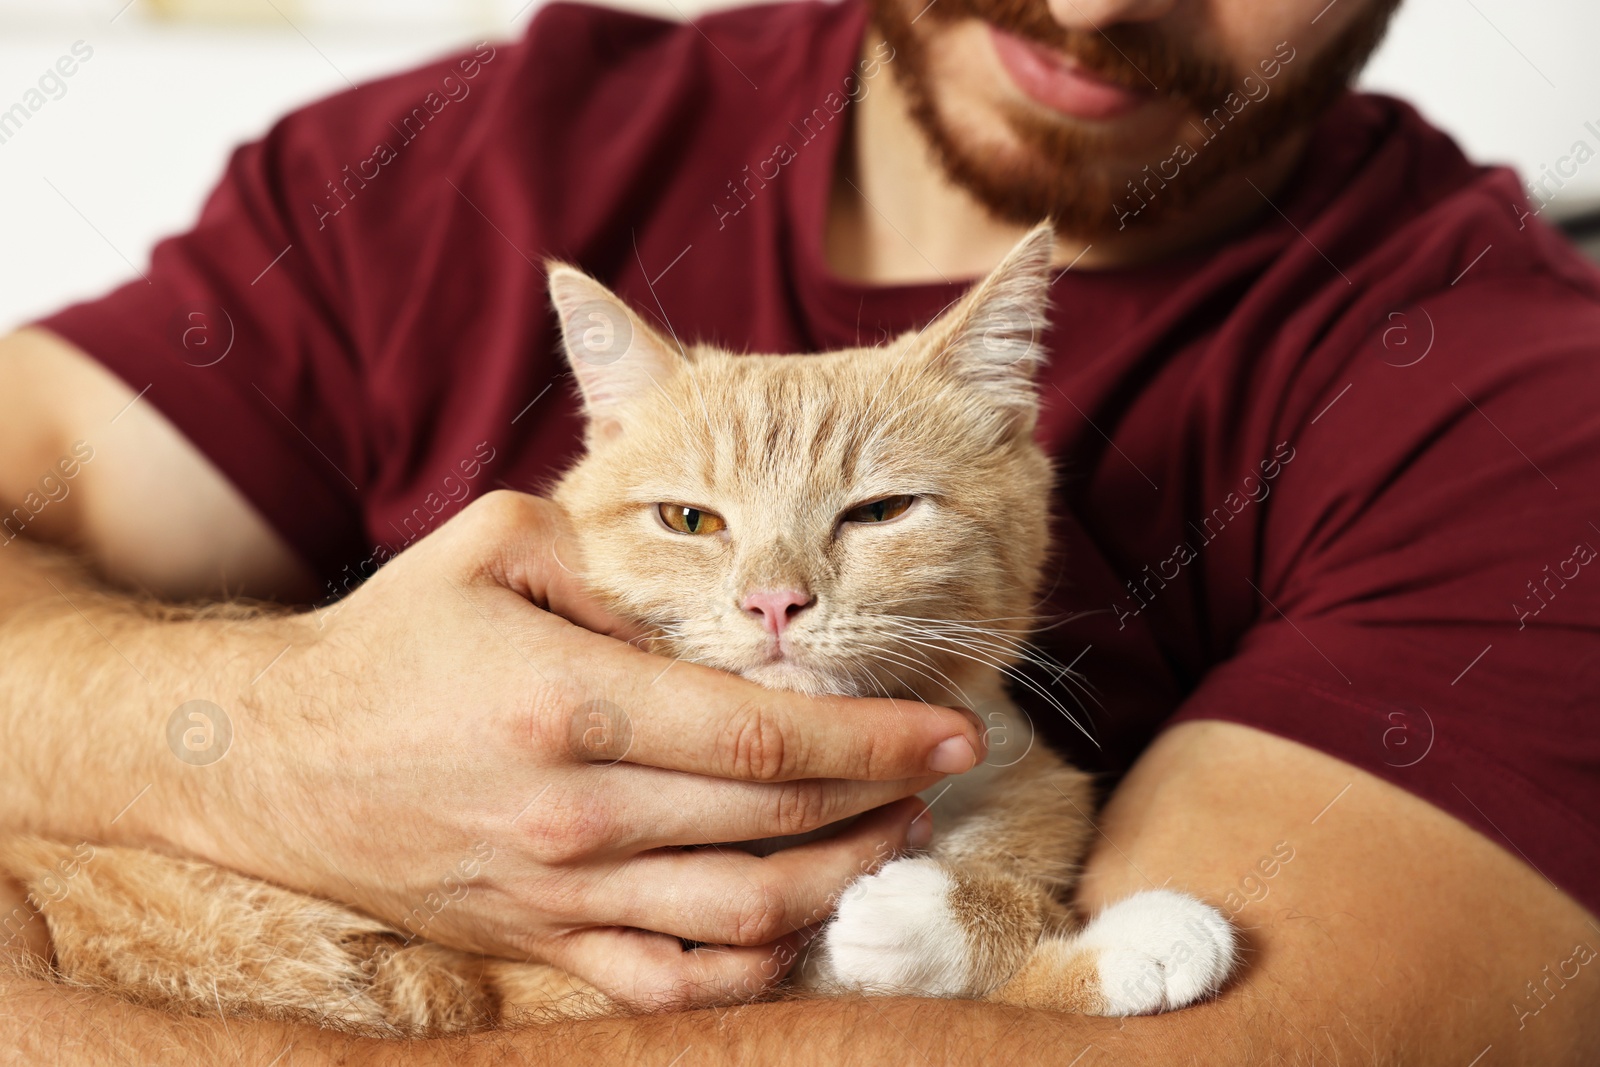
{"x":1059,"y":83}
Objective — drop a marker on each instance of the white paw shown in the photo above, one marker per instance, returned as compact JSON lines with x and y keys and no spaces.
{"x":895,"y":932}
{"x":1159,"y":950}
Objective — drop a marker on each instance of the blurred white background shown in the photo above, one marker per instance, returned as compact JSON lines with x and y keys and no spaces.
{"x":128,"y":151}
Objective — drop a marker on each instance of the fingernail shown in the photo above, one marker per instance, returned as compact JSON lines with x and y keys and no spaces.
{"x":920,"y":831}
{"x":983,"y":729}
{"x":953,"y":756}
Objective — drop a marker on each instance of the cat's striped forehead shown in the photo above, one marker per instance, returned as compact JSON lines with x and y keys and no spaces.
{"x":837,"y":421}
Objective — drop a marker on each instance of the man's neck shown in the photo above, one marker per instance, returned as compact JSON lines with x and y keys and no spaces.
{"x":895,"y":218}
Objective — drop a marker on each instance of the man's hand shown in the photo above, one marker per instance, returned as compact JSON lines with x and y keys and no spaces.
{"x":443,"y":748}
{"x":482,"y":772}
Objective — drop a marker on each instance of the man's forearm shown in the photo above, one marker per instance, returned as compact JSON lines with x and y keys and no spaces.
{"x":42,"y":1023}
{"x":1390,"y":935}
{"x":93,"y":744}
{"x":46,"y":1023}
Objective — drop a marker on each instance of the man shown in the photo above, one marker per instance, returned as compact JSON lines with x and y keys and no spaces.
{"x":1322,"y":398}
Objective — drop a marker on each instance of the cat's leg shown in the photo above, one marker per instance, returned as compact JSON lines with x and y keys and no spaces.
{"x":961,"y":919}
{"x":531,"y":993}
{"x":191,"y":938}
{"x":1151,"y":952}
{"x":981,"y":915}
{"x":922,"y":926}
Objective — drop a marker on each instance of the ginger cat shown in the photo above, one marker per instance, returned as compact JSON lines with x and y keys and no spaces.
{"x":864,"y":522}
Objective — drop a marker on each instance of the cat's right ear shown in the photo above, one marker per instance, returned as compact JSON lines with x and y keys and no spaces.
{"x":615,"y":356}
{"x":990,"y":342}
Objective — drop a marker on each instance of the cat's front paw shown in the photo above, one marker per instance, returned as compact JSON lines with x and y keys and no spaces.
{"x":895,"y":932}
{"x":1159,"y":950}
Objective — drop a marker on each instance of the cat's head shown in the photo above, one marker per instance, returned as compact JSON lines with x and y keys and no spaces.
{"x":858,"y":522}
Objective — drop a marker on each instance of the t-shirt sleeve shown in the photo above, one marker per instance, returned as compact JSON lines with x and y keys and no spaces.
{"x":234,"y":334}
{"x":259,"y":332}
{"x":1429,"y":572}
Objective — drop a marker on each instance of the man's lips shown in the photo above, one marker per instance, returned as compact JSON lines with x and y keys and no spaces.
{"x":1058,"y":83}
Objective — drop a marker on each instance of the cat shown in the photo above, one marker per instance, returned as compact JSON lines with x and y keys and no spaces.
{"x":866,"y":522}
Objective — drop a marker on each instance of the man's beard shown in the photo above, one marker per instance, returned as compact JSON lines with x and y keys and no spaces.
{"x":1054,"y":174}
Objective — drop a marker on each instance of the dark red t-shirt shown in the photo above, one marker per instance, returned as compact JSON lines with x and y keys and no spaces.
{"x":1335,"y":480}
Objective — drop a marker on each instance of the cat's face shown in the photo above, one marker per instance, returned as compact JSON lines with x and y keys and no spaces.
{"x":860,"y":522}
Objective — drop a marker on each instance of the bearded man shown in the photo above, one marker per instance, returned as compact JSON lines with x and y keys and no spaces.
{"x":1320,"y":391}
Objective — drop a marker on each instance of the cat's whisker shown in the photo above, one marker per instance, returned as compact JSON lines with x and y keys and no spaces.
{"x":992,"y":648}
{"x":1076,"y":684}
{"x":998,"y":647}
{"x":1010,"y":671}
{"x":911,"y":658}
{"x":1000,"y":642}
{"x":961,"y":698}
{"x":922,"y":666}
{"x":878,"y":686}
{"x":1011,"y":647}
{"x":947,"y":683}
{"x":1037,"y":623}
{"x":883,"y":690}
{"x":1033,"y":621}
{"x":960,"y":622}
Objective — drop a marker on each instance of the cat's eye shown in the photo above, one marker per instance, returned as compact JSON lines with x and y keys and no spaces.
{"x":689,"y":520}
{"x":890,"y":507}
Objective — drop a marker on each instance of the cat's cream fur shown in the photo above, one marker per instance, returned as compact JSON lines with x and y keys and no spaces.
{"x":935,"y":605}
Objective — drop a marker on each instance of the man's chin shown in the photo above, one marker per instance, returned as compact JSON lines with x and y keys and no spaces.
{"x":1016,"y":182}
{"x":1022,"y":161}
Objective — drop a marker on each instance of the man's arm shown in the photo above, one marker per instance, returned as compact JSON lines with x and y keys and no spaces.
{"x":329,"y":752}
{"x":1386,"y":933}
{"x":95,"y":467}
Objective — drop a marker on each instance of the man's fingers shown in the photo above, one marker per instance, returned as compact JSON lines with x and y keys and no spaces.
{"x":680,"y":716}
{"x":684,"y":717}
{"x":524,"y":543}
{"x":729,"y":897}
{"x":653,"y":972}
{"x":690,"y":810}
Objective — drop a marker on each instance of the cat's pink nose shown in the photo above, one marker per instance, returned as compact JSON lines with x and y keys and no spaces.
{"x":777,"y":607}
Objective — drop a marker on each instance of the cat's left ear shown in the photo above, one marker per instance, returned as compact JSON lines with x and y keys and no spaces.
{"x":993,"y":339}
{"x":615,"y":355}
